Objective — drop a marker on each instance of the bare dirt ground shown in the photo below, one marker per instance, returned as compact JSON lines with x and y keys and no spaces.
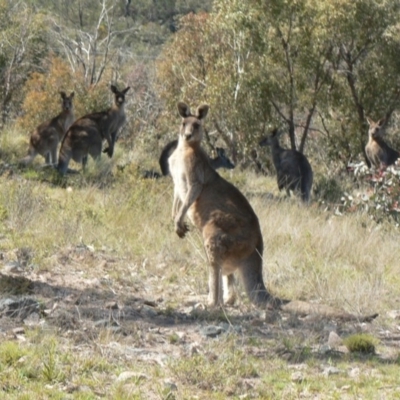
{"x":149,"y":321}
{"x":77,"y":299}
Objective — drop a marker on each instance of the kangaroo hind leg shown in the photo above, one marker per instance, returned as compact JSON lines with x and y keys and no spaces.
{"x":214,"y":273}
{"x":229,"y":290}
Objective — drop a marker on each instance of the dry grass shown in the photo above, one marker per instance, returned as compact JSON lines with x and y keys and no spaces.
{"x":107,"y":236}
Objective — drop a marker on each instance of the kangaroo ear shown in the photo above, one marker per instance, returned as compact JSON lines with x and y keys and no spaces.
{"x":113,"y":89}
{"x":72,"y":95}
{"x":220,"y":151}
{"x":275,"y":133}
{"x":184,"y":110}
{"x":126,"y":89}
{"x":202,"y":111}
{"x":266,"y":141}
{"x":63,"y":95}
{"x":369,"y":120}
{"x":381,"y":122}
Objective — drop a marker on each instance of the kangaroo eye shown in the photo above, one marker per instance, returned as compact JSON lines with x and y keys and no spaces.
{"x":196,"y":125}
{"x":183,"y":124}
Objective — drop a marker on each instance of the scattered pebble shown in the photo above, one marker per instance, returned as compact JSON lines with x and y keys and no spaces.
{"x":211,"y":331}
{"x":126,"y":375}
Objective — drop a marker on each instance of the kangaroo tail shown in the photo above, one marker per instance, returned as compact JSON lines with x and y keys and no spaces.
{"x":252,"y":278}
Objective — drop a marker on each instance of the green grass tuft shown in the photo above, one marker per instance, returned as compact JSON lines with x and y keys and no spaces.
{"x":361,"y":343}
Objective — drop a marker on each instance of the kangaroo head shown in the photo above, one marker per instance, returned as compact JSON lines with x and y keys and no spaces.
{"x":224,"y":159}
{"x":191,"y":129}
{"x":67,"y":101}
{"x":270,"y":139}
{"x":119,"y":96}
{"x":376,"y":129}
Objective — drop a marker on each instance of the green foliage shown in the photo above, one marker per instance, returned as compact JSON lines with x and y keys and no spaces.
{"x":42,"y":99}
{"x":360,"y":343}
{"x":263,"y":64}
{"x":10,"y":353}
{"x":50,"y":369}
{"x":327,"y":189}
{"x":24,"y":45}
{"x":381,"y":198}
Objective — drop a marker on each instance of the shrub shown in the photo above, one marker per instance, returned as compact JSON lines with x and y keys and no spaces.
{"x":360,"y":343}
{"x":42,"y":98}
{"x":381,"y":197}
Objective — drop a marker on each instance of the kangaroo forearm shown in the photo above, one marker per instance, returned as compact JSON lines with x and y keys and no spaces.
{"x":175,"y":206}
{"x":191,"y":197}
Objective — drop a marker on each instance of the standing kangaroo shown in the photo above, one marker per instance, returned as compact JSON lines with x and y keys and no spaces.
{"x":85,"y":136}
{"x":378,"y":152}
{"x":229,"y":226}
{"x":293,"y":170}
{"x":221,"y":161}
{"x":45,"y":138}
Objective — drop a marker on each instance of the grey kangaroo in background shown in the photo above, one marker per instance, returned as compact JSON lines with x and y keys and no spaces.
{"x":85,"y":136}
{"x":227,"y":222}
{"x":221,"y":161}
{"x":45,"y":138}
{"x":293,"y":170}
{"x":378,"y":152}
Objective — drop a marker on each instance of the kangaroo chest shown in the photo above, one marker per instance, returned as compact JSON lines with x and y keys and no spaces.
{"x":179,"y":172}
{"x":376,"y":152}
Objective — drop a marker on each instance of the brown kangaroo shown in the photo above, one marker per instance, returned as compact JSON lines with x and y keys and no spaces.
{"x":45,"y":138}
{"x":85,"y":136}
{"x":378,"y":152}
{"x":229,"y":226}
{"x":221,"y":161}
{"x":293,"y":170}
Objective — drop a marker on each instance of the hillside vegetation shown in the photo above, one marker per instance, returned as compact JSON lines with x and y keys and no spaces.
{"x":99,"y":296}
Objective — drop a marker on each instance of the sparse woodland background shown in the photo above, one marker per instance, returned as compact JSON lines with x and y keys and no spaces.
{"x":117,"y":290}
{"x":315,"y":69}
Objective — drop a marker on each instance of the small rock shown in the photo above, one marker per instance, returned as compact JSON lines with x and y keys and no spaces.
{"x":148,"y":311}
{"x":124,"y":376}
{"x":256,"y":322}
{"x":12,"y":267}
{"x":343,"y":349}
{"x":354,"y":372}
{"x":170,"y":385}
{"x":102,"y":323}
{"x":230,"y":328}
{"x":112,"y":305}
{"x":394,"y":314}
{"x":150,"y":303}
{"x":32,"y":319}
{"x":19,"y":331}
{"x":334,"y":340}
{"x":193,"y":348}
{"x":298,"y":367}
{"x":325,"y":348}
{"x":211,"y":331}
{"x":297,"y":377}
{"x":330,"y":371}
{"x":21,"y":307}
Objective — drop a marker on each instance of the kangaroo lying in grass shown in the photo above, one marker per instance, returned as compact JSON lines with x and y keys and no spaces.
{"x":229,"y":226}
{"x":86,"y":135}
{"x":221,"y":161}
{"x":45,"y":138}
{"x":379,"y":153}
